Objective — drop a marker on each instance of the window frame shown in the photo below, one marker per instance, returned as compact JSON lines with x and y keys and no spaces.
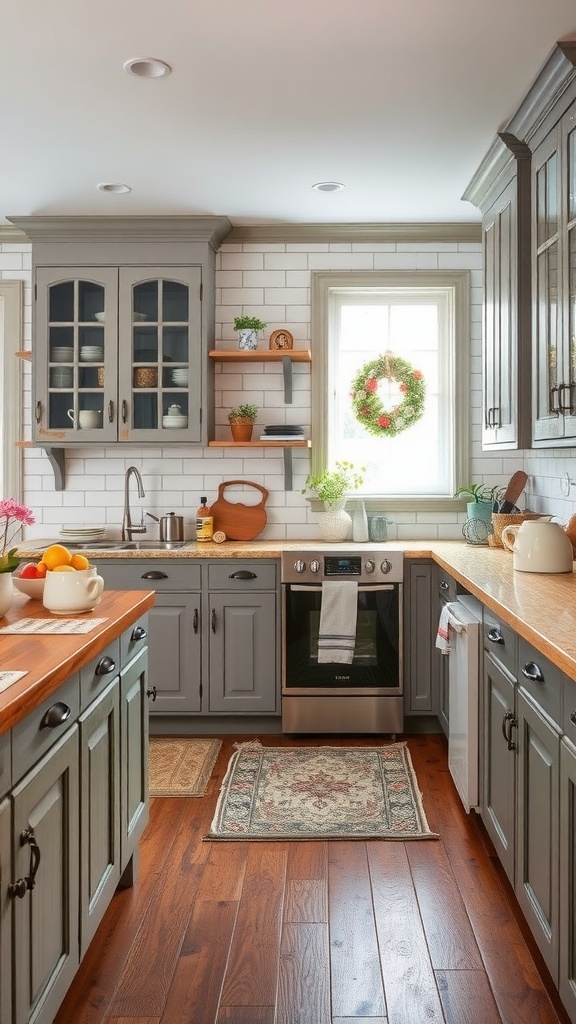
{"x":459,"y":281}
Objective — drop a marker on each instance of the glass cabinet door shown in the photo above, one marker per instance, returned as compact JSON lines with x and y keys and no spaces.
{"x":548,"y":315}
{"x":76,"y":348}
{"x":160,"y":354}
{"x":568,"y":395}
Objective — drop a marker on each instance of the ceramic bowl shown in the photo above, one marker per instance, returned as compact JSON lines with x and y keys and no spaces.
{"x":91,"y":354}
{"x":62,"y":355}
{"x":32,"y":588}
{"x":100,"y":317}
{"x":172,"y":422}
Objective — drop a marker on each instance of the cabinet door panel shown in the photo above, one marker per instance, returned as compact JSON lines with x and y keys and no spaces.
{"x":46,"y":919}
{"x":134,"y":751}
{"x":567,"y":978}
{"x":174,"y":653}
{"x":99,"y":809}
{"x":422,"y":661}
{"x":5,"y":913}
{"x":498,"y":798}
{"x":537,"y":851}
{"x":243,"y":653}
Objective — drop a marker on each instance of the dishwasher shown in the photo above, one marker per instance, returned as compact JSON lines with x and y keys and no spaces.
{"x":464,"y":662}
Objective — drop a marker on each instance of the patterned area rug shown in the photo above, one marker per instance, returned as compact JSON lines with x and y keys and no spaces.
{"x":180,"y":766}
{"x":320,"y":793}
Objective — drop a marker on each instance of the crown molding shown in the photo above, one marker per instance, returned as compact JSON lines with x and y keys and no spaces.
{"x":9,"y":235}
{"x":211,"y":230}
{"x":358,"y":232}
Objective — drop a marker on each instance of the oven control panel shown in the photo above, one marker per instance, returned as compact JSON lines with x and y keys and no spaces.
{"x":369,"y":567}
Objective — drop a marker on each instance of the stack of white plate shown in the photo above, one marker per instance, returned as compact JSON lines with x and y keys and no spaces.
{"x":91,"y":354}
{"x":61,"y":354}
{"x":62,"y":377}
{"x":82,"y":534}
{"x":180,"y":377}
{"x":173,"y":422}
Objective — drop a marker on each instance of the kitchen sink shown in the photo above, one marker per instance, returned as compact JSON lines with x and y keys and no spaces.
{"x":127,"y":545}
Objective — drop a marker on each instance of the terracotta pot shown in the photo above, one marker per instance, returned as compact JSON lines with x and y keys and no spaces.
{"x":241,"y":429}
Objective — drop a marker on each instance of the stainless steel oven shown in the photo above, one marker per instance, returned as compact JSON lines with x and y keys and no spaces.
{"x":365,"y":696}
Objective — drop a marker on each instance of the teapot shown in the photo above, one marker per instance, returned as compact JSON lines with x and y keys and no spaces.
{"x":539,"y":546}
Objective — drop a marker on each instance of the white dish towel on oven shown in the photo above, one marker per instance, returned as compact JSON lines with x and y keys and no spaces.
{"x":338,"y":614}
{"x":447,"y":620}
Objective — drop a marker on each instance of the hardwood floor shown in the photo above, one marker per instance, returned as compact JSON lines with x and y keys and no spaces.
{"x":314,"y":932}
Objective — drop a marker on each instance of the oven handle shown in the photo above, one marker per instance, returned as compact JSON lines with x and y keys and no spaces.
{"x":311,"y":588}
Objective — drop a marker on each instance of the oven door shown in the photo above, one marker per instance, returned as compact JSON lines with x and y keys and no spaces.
{"x":376,"y":669}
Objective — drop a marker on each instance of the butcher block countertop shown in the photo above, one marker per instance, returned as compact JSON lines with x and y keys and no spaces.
{"x":539,"y":607}
{"x":50,"y":659}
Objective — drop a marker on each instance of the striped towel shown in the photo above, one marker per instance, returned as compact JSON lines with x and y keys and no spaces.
{"x":338,"y":613}
{"x":447,"y":621}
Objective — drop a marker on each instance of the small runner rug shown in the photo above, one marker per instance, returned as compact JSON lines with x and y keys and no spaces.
{"x":320,"y":793}
{"x":180,"y":766}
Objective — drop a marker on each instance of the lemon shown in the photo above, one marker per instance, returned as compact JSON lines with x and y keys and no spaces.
{"x":79,"y":561}
{"x":56,"y":555}
{"x":63,"y":568}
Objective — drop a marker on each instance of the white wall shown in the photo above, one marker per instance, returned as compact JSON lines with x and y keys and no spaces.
{"x":270,"y":280}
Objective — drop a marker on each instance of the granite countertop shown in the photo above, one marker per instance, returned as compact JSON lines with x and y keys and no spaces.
{"x":539,"y":607}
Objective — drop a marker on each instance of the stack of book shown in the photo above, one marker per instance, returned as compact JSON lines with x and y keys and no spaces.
{"x":283,"y":433}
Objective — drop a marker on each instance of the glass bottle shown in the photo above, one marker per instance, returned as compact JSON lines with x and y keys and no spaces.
{"x":204,"y":522}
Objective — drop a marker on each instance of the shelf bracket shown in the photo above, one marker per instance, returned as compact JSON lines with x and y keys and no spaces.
{"x":287,"y":371}
{"x":287,"y":469}
{"x":57,"y":459}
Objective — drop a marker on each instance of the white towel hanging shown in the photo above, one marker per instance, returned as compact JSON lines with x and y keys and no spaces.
{"x":447,"y":621}
{"x":338,"y":615}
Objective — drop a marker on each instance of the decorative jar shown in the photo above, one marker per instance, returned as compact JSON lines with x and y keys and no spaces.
{"x":335,"y":522}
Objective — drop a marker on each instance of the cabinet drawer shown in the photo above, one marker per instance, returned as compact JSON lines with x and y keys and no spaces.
{"x":500,"y":640}
{"x":153,"y":574}
{"x":95,"y":676}
{"x":569,"y":709}
{"x":262,"y":576}
{"x":133,"y":640}
{"x":5,"y":763}
{"x":31,"y":739}
{"x":545,"y":691}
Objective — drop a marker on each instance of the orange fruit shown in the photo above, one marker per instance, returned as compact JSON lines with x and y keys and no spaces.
{"x":56,"y":555}
{"x":41,"y":569}
{"x":63,"y":568}
{"x":79,"y":561}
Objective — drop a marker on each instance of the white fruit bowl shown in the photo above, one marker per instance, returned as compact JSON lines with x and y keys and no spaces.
{"x":32,"y":588}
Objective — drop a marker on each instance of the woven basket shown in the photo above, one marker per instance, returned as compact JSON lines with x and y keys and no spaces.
{"x":501,"y":519}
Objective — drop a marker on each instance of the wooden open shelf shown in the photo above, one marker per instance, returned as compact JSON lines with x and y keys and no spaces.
{"x":260,"y":355}
{"x":24,"y":353}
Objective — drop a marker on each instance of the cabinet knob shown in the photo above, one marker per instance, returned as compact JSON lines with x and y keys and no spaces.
{"x":495,"y":636}
{"x":139,"y":633}
{"x":56,"y":715}
{"x":573,"y":718}
{"x":533,"y":672}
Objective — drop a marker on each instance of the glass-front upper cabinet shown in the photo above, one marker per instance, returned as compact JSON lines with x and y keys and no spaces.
{"x":118,"y":354}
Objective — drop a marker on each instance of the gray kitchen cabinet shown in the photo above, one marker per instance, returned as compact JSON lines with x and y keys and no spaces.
{"x":243,"y":640}
{"x":421,"y":672}
{"x":45,"y":809}
{"x":498,"y":801}
{"x":5,"y":912}
{"x":174,"y":628}
{"x":446,"y":590}
{"x":99,"y":809}
{"x":567,"y":966}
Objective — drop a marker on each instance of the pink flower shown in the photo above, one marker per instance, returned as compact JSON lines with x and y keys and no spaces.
{"x":12,"y":512}
{"x":383,"y":421}
{"x":417,"y":375}
{"x":371,"y":384}
{"x":404,"y":388}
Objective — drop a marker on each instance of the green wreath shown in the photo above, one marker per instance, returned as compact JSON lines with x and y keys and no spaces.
{"x":367,"y":406}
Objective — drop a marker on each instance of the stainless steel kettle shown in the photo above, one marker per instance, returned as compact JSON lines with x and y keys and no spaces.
{"x":171,"y":526}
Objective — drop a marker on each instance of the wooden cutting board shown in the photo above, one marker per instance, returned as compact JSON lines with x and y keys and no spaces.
{"x":239,"y":521}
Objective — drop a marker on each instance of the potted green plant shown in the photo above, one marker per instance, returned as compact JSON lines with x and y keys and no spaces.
{"x":241,"y":419}
{"x":248,"y":327}
{"x":331,"y":488}
{"x":483,"y":498}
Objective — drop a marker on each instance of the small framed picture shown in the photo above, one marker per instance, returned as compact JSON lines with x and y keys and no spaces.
{"x":281,"y":339}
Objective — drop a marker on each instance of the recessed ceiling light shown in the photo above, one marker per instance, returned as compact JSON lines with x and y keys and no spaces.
{"x":115,"y":188}
{"x":328,"y":186}
{"x":147,"y":67}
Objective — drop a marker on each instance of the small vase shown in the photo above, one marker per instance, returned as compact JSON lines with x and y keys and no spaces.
{"x":6,"y":592}
{"x":334,"y":521}
{"x":247,"y":338}
{"x":360,"y":523}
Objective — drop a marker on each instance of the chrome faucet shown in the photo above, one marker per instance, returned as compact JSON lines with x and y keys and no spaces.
{"x":127,"y":528}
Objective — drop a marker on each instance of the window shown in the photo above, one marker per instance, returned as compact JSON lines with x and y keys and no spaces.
{"x":423,"y":318}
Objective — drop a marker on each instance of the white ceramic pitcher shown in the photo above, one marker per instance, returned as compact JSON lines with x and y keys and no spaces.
{"x":538,"y":546}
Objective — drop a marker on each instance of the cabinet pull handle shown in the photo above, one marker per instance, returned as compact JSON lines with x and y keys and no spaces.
{"x":19,"y":888}
{"x":154,"y":574}
{"x":509,"y":723}
{"x":124,"y":411}
{"x":573,"y":717}
{"x":495,"y":636}
{"x":533,"y":672}
{"x":139,"y":633}
{"x":110,"y":412}
{"x":213,"y":623}
{"x":553,"y":394}
{"x":444,"y":585}
{"x":38,"y":412}
{"x":56,"y":715}
{"x":195,"y":621}
{"x":561,"y":389}
{"x":151,"y":693}
{"x":105,"y":666}
{"x":243,"y":574}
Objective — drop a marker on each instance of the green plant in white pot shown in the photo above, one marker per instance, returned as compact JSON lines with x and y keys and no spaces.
{"x":248,"y":327}
{"x":331,"y":488}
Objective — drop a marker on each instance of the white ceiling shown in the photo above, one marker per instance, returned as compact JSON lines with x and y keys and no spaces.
{"x":399,"y":102}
